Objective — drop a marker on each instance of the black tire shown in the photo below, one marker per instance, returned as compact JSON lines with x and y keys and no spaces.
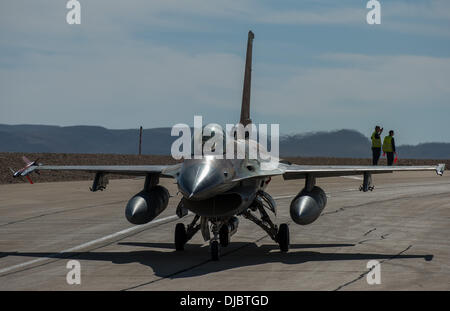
{"x":224,"y":236}
{"x":283,"y":237}
{"x":214,"y":250}
{"x":180,"y":236}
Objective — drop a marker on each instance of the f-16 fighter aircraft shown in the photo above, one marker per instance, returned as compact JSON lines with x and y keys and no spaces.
{"x":216,"y":191}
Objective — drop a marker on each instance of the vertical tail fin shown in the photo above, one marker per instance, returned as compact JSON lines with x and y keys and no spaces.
{"x":245,"y":108}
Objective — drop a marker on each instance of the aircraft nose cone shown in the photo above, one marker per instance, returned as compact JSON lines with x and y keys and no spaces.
{"x":199,"y":181}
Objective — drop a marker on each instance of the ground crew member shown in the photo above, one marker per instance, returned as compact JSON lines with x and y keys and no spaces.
{"x":389,"y":147}
{"x":376,"y":145}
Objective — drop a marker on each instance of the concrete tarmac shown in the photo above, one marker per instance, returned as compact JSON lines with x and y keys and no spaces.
{"x":404,"y":224}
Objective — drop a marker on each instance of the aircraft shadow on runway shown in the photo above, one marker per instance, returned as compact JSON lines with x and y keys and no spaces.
{"x":194,"y":260}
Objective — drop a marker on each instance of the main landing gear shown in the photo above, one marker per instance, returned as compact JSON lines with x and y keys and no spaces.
{"x":278,"y":234}
{"x":183,"y":234}
{"x":219,"y":231}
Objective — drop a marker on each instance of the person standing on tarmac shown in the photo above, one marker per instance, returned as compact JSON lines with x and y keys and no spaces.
{"x":389,"y":147}
{"x":376,"y":145}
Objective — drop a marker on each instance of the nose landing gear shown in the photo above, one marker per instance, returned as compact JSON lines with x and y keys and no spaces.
{"x":220,"y":230}
{"x":214,"y":243}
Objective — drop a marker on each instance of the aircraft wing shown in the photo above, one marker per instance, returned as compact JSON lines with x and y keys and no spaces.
{"x":294,"y":171}
{"x":136,"y":170}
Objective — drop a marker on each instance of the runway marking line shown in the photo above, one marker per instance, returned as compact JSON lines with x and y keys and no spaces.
{"x":87,"y":244}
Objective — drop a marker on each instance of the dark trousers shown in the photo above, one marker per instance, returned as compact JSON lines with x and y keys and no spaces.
{"x":390,"y":158}
{"x":376,"y":152}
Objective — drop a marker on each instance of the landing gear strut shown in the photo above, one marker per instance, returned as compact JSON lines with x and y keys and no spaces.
{"x":279,"y":235}
{"x":214,"y":242}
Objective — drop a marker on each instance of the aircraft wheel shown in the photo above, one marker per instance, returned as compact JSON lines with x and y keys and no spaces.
{"x":283,"y":237}
{"x":180,"y":236}
{"x":214,"y":250}
{"x":224,"y":236}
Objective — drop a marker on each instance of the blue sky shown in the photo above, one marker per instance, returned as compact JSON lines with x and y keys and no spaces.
{"x":317,"y":64}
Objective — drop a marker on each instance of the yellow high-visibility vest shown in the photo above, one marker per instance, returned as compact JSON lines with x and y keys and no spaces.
{"x":376,"y":142}
{"x":387,"y":144}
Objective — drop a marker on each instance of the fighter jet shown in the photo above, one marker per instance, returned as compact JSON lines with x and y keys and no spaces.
{"x":218,"y":191}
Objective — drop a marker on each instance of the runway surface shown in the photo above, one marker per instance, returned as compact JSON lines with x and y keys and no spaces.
{"x":404,"y":224}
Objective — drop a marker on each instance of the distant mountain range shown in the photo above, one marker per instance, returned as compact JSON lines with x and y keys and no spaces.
{"x":158,"y":141}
